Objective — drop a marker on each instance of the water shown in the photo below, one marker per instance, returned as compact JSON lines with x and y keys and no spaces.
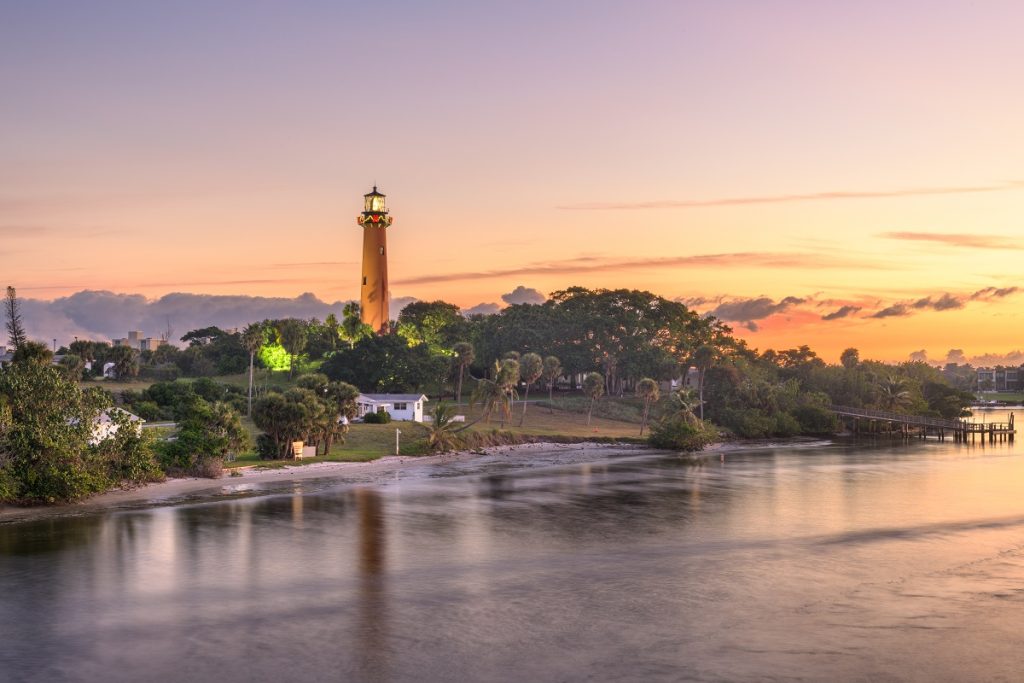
{"x":823,"y":562}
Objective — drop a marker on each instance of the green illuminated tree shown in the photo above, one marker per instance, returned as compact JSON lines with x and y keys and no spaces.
{"x":293,"y":335}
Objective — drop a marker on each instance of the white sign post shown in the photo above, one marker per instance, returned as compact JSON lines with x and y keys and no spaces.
{"x":397,"y":433}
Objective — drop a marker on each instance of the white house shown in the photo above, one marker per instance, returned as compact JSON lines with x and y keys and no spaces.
{"x":104,"y":426}
{"x":403,"y":407}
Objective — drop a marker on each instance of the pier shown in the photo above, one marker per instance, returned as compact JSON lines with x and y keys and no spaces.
{"x":870,"y":421}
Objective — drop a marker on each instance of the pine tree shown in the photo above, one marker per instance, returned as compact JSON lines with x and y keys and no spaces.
{"x":15,"y":330}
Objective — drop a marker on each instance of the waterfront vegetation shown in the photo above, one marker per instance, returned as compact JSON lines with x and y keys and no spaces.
{"x":608,"y":365}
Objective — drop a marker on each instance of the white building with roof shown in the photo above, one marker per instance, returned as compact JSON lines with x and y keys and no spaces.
{"x":403,"y":407}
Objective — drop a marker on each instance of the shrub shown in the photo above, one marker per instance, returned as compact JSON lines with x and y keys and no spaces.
{"x":266,"y":448}
{"x":815,"y":420}
{"x":381,"y":418}
{"x":676,"y":434}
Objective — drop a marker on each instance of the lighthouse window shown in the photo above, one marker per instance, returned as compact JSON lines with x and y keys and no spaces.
{"x":364,"y":279}
{"x":382,"y":251}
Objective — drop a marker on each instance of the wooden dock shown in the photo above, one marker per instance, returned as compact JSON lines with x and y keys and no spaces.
{"x":869,"y":421}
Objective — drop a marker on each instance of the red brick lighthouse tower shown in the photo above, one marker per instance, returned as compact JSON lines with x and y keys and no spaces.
{"x":373,"y":293}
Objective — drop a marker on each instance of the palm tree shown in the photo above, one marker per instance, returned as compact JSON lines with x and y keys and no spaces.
{"x":647,"y":390}
{"x":703,"y":358}
{"x":491,"y":396}
{"x":895,"y":393}
{"x":593,"y":386}
{"x":684,"y":402}
{"x":531,"y":367}
{"x":440,"y":432}
{"x":253,"y":338}
{"x":507,"y":377}
{"x":552,"y":371}
{"x":464,"y":357}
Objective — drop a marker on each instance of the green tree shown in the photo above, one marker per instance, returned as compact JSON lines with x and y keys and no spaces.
{"x":895,"y":393}
{"x":126,"y":362}
{"x":648,"y":391}
{"x":552,"y":371}
{"x":386,"y":363}
{"x":15,"y":329}
{"x":464,"y":357}
{"x":33,"y":352}
{"x":73,"y":366}
{"x":46,"y":425}
{"x":353,"y":329}
{"x":593,"y":388}
{"x":849,"y":358}
{"x":531,"y":367}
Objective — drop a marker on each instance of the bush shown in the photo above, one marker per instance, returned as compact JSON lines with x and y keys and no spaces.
{"x":815,"y":420}
{"x":381,"y":418}
{"x":266,"y":448}
{"x":674,"y":433}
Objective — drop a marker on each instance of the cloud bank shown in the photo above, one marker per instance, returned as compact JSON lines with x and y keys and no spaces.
{"x":523,"y":295}
{"x":104,"y":315}
{"x":956,"y":240}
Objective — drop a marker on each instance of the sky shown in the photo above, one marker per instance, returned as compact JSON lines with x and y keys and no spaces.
{"x":831,"y":174}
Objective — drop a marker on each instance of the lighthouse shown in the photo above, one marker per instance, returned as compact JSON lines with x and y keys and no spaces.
{"x":373,"y":293}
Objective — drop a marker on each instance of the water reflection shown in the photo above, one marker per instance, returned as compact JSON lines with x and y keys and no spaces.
{"x":837,"y":561}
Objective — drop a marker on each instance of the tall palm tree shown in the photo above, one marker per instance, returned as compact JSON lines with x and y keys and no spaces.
{"x":648,"y":391}
{"x":253,"y":338}
{"x":552,"y":371}
{"x":684,"y":402}
{"x":531,"y":367}
{"x":593,"y":386}
{"x":464,"y":357}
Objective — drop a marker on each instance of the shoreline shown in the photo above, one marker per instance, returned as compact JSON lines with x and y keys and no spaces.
{"x":196,"y":490}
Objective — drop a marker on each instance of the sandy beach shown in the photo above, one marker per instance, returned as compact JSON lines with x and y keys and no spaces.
{"x":195,"y":489}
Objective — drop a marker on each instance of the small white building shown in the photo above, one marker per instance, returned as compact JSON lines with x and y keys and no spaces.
{"x":403,"y":407}
{"x":104,"y":426}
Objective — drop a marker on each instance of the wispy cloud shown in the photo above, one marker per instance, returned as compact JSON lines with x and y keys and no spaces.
{"x":957,"y":239}
{"x":942,"y":302}
{"x":594,"y":265}
{"x":787,"y":198}
{"x":841,"y":312}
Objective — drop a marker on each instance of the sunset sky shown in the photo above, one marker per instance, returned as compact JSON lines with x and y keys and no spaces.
{"x":835,"y":174}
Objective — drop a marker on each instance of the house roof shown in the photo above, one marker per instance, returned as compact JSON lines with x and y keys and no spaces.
{"x":389,"y":398}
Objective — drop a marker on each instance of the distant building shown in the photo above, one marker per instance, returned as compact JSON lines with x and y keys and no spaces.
{"x":1000,"y":378}
{"x":136,"y":341}
{"x":402,"y":407}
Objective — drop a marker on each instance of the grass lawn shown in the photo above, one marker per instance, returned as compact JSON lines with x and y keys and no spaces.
{"x":1008,"y":396}
{"x":116,"y":386}
{"x":366,"y":442}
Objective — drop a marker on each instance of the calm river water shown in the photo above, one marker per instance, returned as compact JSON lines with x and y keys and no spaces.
{"x":830,"y":561}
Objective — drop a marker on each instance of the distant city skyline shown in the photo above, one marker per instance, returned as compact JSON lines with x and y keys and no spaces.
{"x":826,"y":174}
